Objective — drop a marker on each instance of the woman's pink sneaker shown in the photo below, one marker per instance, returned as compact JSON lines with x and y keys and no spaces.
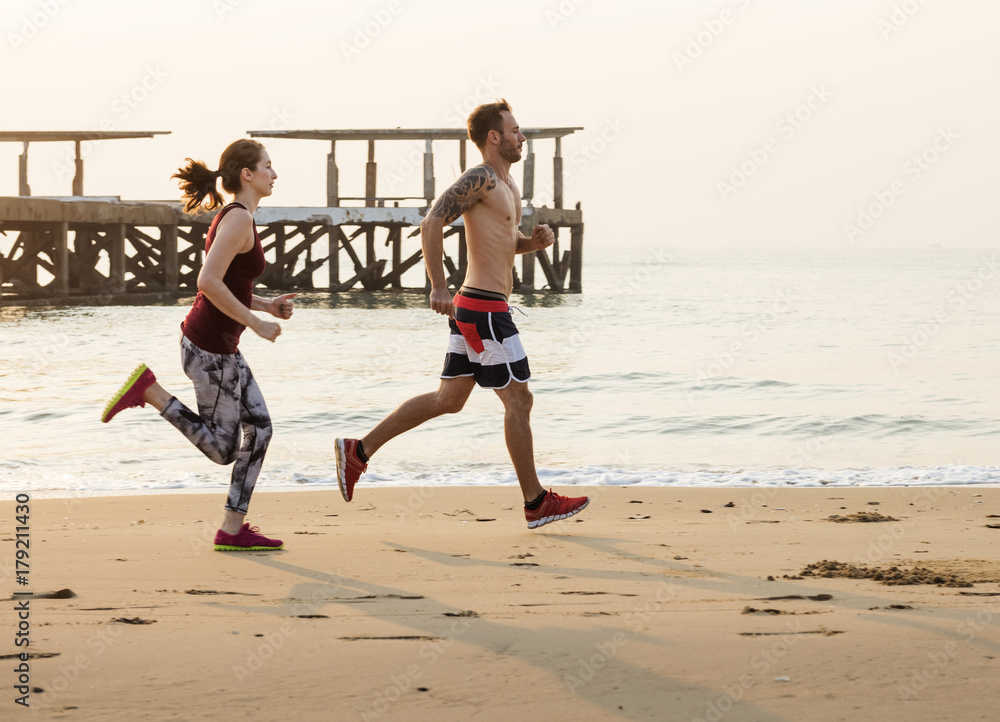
{"x":247,"y":539}
{"x":130,"y":394}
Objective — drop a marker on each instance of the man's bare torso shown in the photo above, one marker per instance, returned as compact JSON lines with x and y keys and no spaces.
{"x":491,"y":232}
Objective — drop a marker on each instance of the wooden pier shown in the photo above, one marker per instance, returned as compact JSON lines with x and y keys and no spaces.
{"x":77,"y":137}
{"x":100,"y":250}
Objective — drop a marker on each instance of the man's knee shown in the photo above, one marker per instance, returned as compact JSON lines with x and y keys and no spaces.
{"x":518,"y":398}
{"x":452,"y":395}
{"x":451,"y":403}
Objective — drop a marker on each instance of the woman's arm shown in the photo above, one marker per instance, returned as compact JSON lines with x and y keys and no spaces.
{"x":280,"y":307}
{"x":233,"y":235}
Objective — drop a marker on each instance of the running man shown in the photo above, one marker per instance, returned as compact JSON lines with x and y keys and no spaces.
{"x":229,"y":399}
{"x":484,"y":347}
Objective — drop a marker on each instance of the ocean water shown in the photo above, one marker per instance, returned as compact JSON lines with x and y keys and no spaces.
{"x":674,"y":367}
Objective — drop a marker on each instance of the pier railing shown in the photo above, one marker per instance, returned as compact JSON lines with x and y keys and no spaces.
{"x":428,"y":136}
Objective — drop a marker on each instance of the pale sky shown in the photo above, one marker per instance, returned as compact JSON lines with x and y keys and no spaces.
{"x":796,"y":123}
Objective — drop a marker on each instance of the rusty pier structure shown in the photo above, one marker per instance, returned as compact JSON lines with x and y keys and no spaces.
{"x":82,"y":249}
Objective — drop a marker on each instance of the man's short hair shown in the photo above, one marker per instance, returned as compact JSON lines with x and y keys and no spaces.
{"x":486,"y":118}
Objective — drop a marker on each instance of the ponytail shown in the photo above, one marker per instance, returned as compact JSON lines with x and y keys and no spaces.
{"x":198,"y":183}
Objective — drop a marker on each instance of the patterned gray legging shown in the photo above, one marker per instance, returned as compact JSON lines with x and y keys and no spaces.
{"x":228,"y":399}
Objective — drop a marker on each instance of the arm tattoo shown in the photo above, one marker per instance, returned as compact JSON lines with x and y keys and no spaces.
{"x":468,"y":190}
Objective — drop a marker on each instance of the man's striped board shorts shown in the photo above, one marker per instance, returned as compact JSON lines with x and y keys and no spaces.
{"x":484,"y":344}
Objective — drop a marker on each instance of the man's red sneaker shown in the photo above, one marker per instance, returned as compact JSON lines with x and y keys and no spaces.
{"x":247,"y":539}
{"x":349,"y":466}
{"x":555,"y":507}
{"x":130,"y":394}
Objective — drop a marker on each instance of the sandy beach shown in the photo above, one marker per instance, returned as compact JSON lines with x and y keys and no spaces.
{"x":439,"y":604}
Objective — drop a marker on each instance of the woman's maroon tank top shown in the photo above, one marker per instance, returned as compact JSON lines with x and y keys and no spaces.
{"x":206,"y":326}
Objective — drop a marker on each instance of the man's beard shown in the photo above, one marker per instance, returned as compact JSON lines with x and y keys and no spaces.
{"x":509,"y":152}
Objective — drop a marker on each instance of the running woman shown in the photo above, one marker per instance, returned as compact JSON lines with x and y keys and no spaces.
{"x":484,"y":346}
{"x":229,"y":400}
